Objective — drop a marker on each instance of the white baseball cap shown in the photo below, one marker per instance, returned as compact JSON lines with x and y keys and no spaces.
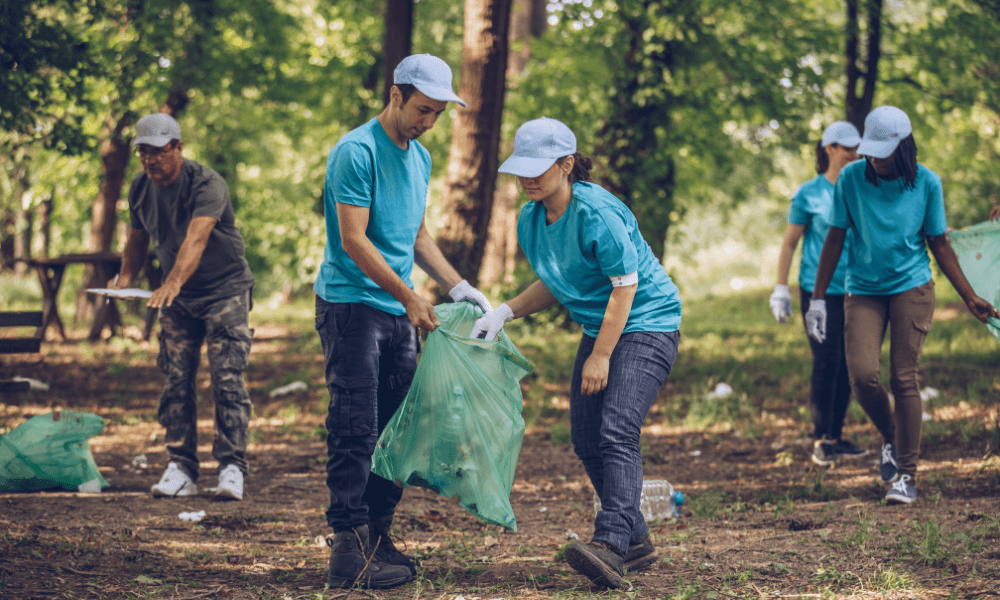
{"x":430,"y":75}
{"x":157,"y":130}
{"x":843,"y":133}
{"x":885,"y":127}
{"x":537,"y":146}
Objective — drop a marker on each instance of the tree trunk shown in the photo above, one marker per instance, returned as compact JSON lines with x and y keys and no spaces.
{"x":23,"y":222}
{"x":22,"y":239}
{"x":45,"y":224}
{"x":398,"y":40}
{"x":858,"y":106}
{"x":500,"y":254}
{"x":475,"y":141}
{"x":115,"y":154}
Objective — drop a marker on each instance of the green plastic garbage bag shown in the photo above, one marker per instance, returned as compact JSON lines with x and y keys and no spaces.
{"x":978,"y":250}
{"x":459,"y":429}
{"x":50,"y":450}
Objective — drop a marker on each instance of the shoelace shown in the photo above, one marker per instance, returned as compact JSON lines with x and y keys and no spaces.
{"x":900,"y":485}
{"x":887,"y":455}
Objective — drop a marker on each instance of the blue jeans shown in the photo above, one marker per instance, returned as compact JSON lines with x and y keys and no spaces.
{"x":606,"y":426}
{"x":370,"y":358}
{"x":829,"y":386}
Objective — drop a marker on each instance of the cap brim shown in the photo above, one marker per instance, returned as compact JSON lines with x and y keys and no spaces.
{"x":441,"y":94}
{"x":153,"y":140}
{"x":523,"y":166}
{"x":877,"y":149}
{"x":849,"y":142}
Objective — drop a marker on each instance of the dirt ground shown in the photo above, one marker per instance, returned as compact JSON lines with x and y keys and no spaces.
{"x":760,"y":520}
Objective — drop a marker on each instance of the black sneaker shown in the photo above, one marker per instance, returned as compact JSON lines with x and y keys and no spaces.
{"x":846,"y":449}
{"x":888,"y":467}
{"x":823,"y":454}
{"x":601,"y":562}
{"x":352,"y":563}
{"x":385,"y":549}
{"x":640,"y":555}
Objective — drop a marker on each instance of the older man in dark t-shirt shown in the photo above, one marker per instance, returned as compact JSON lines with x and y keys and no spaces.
{"x":184,"y":208}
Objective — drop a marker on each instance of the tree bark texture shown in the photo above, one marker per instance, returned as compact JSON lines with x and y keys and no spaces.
{"x":500,"y":254}
{"x":858,"y":106}
{"x":475,"y":141}
{"x":398,"y":40}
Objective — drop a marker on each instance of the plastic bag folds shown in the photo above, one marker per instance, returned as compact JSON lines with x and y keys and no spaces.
{"x":459,"y":429}
{"x":50,"y":450}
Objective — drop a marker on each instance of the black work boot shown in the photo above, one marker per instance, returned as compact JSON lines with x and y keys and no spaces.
{"x":352,"y":563}
{"x":598,"y":560}
{"x":385,"y":549}
{"x":640,"y":555}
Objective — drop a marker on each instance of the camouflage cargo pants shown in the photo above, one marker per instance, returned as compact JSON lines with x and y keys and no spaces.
{"x":184,"y":325}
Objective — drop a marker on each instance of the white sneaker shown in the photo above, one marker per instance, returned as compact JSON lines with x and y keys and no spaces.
{"x":230,"y":483}
{"x":174,"y":483}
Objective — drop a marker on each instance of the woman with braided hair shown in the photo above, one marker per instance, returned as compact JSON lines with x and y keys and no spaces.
{"x":894,"y":209}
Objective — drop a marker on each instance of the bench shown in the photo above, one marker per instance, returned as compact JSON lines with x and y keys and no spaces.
{"x":19,"y":345}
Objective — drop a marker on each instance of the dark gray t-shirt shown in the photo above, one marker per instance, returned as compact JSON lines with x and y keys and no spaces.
{"x":166,"y":212}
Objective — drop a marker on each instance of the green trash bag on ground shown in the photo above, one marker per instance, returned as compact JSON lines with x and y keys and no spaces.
{"x":459,"y":429}
{"x":50,"y":450}
{"x":978,"y":250}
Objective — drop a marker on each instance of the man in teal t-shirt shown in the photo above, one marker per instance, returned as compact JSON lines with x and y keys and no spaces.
{"x":367,"y":312}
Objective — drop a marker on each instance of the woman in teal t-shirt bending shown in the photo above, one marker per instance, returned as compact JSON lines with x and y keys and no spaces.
{"x":584,"y":244}
{"x":809,"y":220}
{"x":894,"y":208}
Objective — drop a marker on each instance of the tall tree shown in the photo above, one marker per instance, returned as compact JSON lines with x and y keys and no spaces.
{"x":398,"y":40}
{"x":475,"y":143}
{"x":527,"y":20}
{"x":859,"y":103}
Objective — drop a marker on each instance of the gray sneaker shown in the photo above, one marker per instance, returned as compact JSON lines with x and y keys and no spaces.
{"x":902,"y":492}
{"x":888,"y":468}
{"x":823,"y":453}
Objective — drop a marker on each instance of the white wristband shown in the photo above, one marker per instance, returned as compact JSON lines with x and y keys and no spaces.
{"x":625,"y":280}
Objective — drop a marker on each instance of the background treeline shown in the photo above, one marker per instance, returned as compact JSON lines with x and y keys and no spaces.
{"x":702,"y":115}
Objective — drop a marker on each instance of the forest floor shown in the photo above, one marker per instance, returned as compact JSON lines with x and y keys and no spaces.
{"x":760,"y":519}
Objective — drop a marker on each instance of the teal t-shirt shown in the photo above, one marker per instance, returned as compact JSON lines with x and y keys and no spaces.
{"x":595,"y":239}
{"x":812,"y":207}
{"x":888,"y":226}
{"x":366,"y":168}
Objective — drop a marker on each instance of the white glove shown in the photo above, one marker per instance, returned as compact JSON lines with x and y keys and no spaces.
{"x":781,"y":303}
{"x":489,"y":325}
{"x":463,"y":292}
{"x":816,"y":319}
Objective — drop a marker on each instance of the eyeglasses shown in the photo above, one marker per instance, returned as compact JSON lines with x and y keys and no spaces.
{"x":145,"y":151}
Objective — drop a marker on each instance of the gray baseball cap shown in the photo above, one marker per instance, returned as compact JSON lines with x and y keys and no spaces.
{"x":885,"y":127}
{"x":843,"y":133}
{"x":157,"y":130}
{"x":537,"y":146}
{"x":430,"y":75}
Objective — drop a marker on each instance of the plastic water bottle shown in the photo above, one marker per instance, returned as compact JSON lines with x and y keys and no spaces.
{"x":659,"y":500}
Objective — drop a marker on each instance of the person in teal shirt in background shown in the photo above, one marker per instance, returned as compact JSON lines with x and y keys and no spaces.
{"x":367,"y":312}
{"x":894,"y":210}
{"x":809,"y":220}
{"x":584,"y":244}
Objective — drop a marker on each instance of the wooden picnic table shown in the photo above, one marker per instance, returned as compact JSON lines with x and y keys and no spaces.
{"x":50,"y":275}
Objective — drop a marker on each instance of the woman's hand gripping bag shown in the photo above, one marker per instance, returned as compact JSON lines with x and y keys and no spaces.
{"x":459,"y":429}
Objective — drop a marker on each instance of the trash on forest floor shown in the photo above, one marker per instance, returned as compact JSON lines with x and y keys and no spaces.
{"x":929,"y":393}
{"x":192,"y":516}
{"x":291,"y":388}
{"x":723,"y":390}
